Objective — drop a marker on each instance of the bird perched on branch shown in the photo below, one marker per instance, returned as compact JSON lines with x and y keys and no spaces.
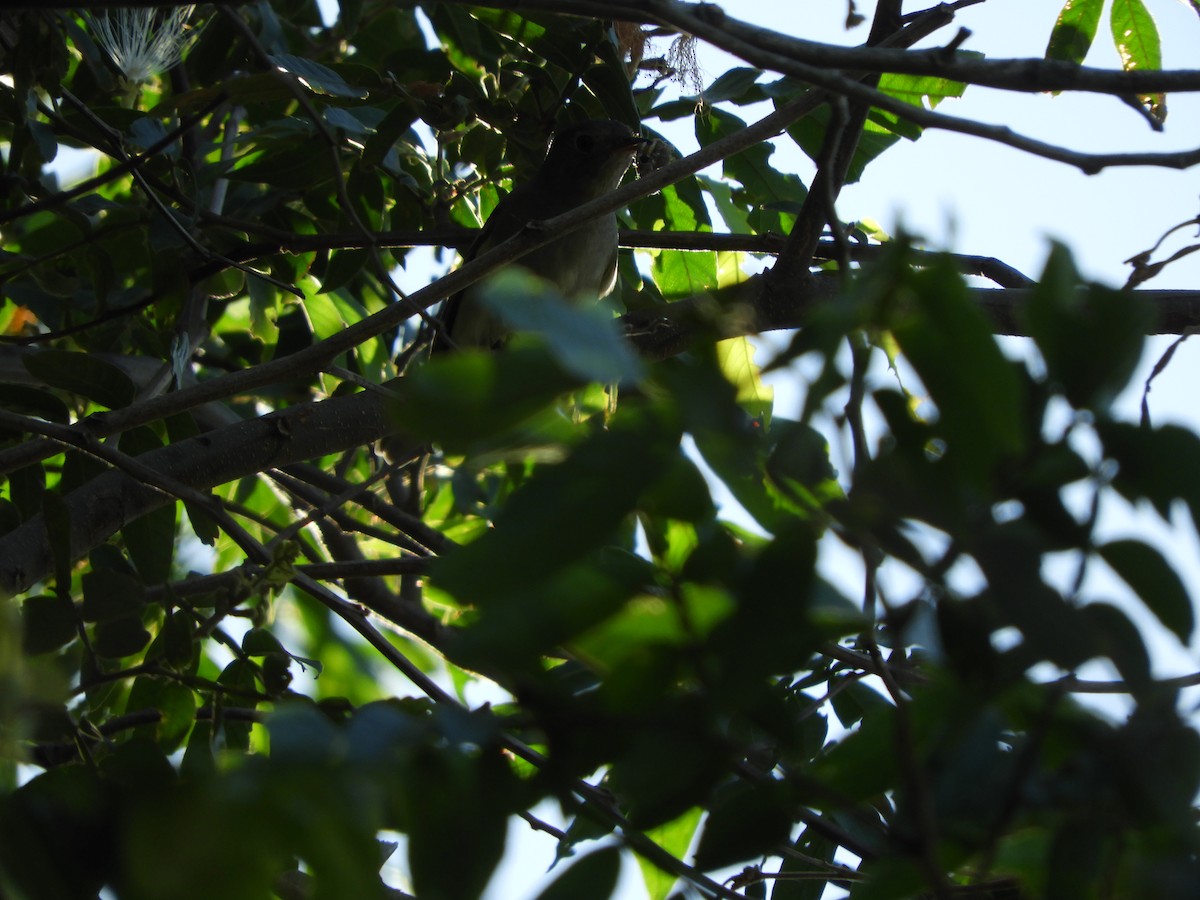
{"x":586,"y":160}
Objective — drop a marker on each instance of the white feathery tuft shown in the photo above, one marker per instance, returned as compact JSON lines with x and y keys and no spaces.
{"x":143,"y":42}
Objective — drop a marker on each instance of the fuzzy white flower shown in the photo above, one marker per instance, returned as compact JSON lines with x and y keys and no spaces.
{"x":143,"y":42}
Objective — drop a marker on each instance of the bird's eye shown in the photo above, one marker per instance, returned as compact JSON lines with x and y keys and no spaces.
{"x":585,"y":142}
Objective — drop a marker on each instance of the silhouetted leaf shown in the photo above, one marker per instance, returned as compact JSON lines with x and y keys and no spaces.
{"x":1155,"y":582}
{"x":744,"y":823}
{"x":1071,"y":324}
{"x":48,"y":622}
{"x":82,"y":374}
{"x":318,"y":78}
{"x":593,"y":877}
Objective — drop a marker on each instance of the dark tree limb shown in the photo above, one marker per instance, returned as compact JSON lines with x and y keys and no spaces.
{"x":104,"y":505}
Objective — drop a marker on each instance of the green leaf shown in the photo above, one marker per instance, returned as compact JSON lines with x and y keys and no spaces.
{"x":744,"y":823}
{"x":1161,"y":754}
{"x":1011,"y":558}
{"x":181,"y":428}
{"x":982,"y":417}
{"x":1156,"y":583}
{"x":662,"y":770}
{"x":260,"y":642}
{"x":57,"y":832}
{"x":1122,"y":643}
{"x":456,"y":800}
{"x":1135,"y":35}
{"x":736,"y":85}
{"x":807,"y":879}
{"x":58,"y":527}
{"x":464,"y":398}
{"x":240,"y":675}
{"x":316,"y":77}
{"x":323,"y":315}
{"x":732,"y":208}
{"x":857,"y":702}
{"x":150,"y":540}
{"x":344,"y":266}
{"x":82,"y":374}
{"x":1136,"y":38}
{"x":176,"y":704}
{"x":345,"y":120}
{"x":676,"y":838}
{"x":286,"y":166}
{"x":199,"y":762}
{"x":26,"y":488}
{"x":920,"y":90}
{"x":203,"y":526}
{"x":584,"y":339}
{"x":682,"y":493}
{"x":108,"y":594}
{"x":736,"y":359}
{"x":117,"y":638}
{"x":48,"y":621}
{"x":610,"y":85}
{"x":472,"y":50}
{"x":1075,"y":30}
{"x":862,"y":766}
{"x":593,"y":877}
{"x":883,"y":128}
{"x":565,"y":510}
{"x":764,"y":187}
{"x":1139,"y":452}
{"x":224,"y":284}
{"x":799,"y":464}
{"x":681,"y":273}
{"x":177,"y":643}
{"x":31,"y":401}
{"x":650,"y":625}
{"x":302,"y":735}
{"x":1090,"y":338}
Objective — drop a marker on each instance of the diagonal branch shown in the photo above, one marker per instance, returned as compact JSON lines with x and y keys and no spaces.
{"x":101,"y":507}
{"x":317,"y":357}
{"x":765,"y":47}
{"x":755,"y":44}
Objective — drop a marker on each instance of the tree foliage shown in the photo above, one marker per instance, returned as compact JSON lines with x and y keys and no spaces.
{"x":278,"y":589}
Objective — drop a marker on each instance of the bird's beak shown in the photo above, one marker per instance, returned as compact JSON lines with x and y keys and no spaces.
{"x":633,"y":144}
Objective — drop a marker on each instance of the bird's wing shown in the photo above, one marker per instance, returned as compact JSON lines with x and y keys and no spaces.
{"x":509,"y":217}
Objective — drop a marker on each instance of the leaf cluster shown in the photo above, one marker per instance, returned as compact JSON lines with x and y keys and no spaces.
{"x":201,"y":689}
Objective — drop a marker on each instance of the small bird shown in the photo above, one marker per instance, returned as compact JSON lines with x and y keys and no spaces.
{"x":586,"y":160}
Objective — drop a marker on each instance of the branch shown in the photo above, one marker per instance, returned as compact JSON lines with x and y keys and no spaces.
{"x":713,"y":24}
{"x":708,"y":21}
{"x":1088,"y":163}
{"x":319,"y":356}
{"x":453,"y":237}
{"x":767,"y":49}
{"x":127,"y":164}
{"x":748,"y":308}
{"x":845,"y":128}
{"x":1083,"y":686}
{"x":102,"y":506}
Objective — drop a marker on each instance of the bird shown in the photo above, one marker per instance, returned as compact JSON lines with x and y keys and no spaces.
{"x":586,"y":160}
